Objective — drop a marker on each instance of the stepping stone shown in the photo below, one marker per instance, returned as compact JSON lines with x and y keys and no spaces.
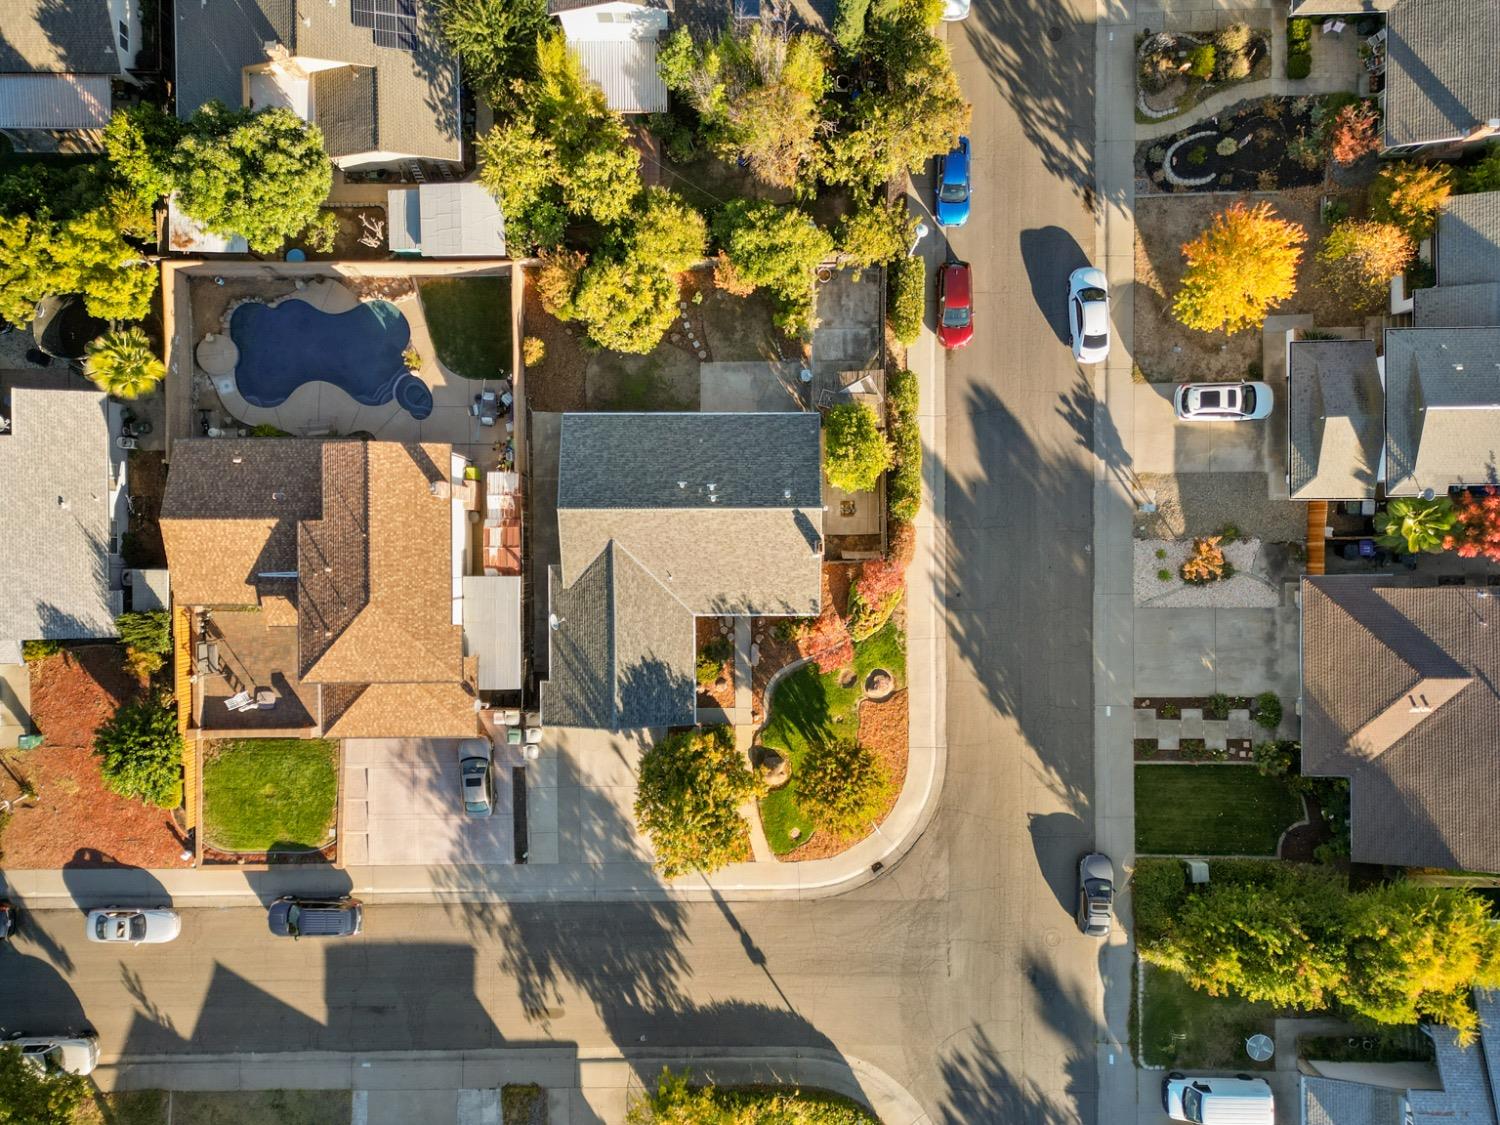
{"x":1216,"y":730}
{"x":1216,"y":743}
{"x":1192,"y":725}
{"x":1165,"y":741}
{"x":1239,"y":725}
{"x":1145,"y":722}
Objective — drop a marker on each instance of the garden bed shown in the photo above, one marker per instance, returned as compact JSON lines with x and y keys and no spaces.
{"x":1254,"y":147}
{"x":267,"y":796}
{"x":1183,"y":1028}
{"x":716,"y":646}
{"x":1211,"y":810}
{"x":1179,"y":88}
{"x":1159,"y":583}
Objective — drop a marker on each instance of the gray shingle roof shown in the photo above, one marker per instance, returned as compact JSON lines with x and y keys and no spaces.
{"x":55,"y":519}
{"x":1313,"y":8}
{"x":42,"y":37}
{"x":1331,"y":1101}
{"x":346,"y":111}
{"x":1442,"y":390}
{"x":1458,"y":306}
{"x":1394,"y":685}
{"x":1466,"y":1097}
{"x":1468,"y":239}
{"x":215,"y":42}
{"x":1440,"y":69}
{"x":1337,"y":419}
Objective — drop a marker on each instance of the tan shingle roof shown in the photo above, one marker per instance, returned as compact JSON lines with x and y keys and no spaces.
{"x":405,"y":711}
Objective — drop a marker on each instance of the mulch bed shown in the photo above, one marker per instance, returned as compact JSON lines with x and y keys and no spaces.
{"x":1300,"y":843}
{"x":1239,"y":751}
{"x":324,"y":856}
{"x":1262,"y":137}
{"x":76,"y":820}
{"x":558,"y":382}
{"x":721,"y":693}
{"x":776,"y":653}
{"x":1181,"y":702}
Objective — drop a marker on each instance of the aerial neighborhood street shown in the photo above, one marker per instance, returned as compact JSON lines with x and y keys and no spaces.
{"x":787,"y":561}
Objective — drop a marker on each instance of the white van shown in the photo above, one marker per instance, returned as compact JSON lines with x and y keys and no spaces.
{"x":1218,"y":1101}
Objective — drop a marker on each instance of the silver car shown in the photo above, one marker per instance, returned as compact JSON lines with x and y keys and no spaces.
{"x":1096,"y":894}
{"x":1088,"y":314}
{"x":1222,"y":402}
{"x":75,"y":1054}
{"x":475,"y":770}
{"x":130,"y":925}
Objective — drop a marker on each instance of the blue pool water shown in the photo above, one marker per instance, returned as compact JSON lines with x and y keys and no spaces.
{"x":358,"y":351}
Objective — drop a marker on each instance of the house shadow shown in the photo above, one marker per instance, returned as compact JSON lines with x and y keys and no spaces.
{"x":96,"y":879}
{"x":1058,"y":866}
{"x":36,"y":1000}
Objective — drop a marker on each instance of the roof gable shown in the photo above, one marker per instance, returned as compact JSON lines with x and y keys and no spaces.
{"x":1440,"y":64}
{"x":1337,"y":419}
{"x":1442,"y":408}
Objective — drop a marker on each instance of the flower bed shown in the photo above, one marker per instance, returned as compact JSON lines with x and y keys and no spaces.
{"x":1158,"y":576}
{"x":1260,"y":145}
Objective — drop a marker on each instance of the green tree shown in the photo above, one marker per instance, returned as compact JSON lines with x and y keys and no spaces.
{"x":141,"y":142}
{"x":843,"y":787}
{"x":261,"y":174}
{"x":495,"y":40}
{"x":849,"y":25}
{"x":30,"y":1097}
{"x":124,"y":364}
{"x":1417,"y":952}
{"x":691,"y":786}
{"x":149,"y":631}
{"x":627,"y":305}
{"x":1362,"y":257}
{"x":41,"y":257}
{"x":668,"y":233}
{"x":522,"y":169}
{"x":1415,"y":526}
{"x":777,"y":249}
{"x":855,"y":452}
{"x":1484,"y":173}
{"x":140,"y":753}
{"x":907,"y":278}
{"x":877,"y":234}
{"x":1411,"y":195}
{"x":1238,"y":269}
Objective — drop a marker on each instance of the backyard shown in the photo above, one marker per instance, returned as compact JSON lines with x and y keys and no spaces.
{"x":263,"y":795}
{"x":809,"y":708}
{"x":469,"y":320}
{"x":1183,"y":1028}
{"x":1211,"y":810}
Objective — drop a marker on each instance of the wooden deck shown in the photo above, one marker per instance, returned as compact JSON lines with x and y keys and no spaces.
{"x":1317,"y":524}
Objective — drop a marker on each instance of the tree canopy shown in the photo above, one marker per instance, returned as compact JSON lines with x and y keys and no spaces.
{"x":30,"y":1097}
{"x":855,"y":452}
{"x":776,"y":249}
{"x":1238,"y":269}
{"x":691,"y":787}
{"x":124,"y":364}
{"x":1361,"y":257}
{"x":495,"y":40}
{"x":1410,"y":195}
{"x":843,"y":787}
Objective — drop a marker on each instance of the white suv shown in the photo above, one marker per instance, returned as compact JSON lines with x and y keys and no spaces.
{"x":1240,"y":1100}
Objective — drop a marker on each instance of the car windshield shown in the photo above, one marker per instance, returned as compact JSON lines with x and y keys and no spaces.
{"x":1090,"y":295}
{"x":953,"y":193}
{"x":1192,"y":1104}
{"x":1247,"y":399}
{"x":294,"y":912}
{"x":1095,"y":341}
{"x":1097,"y":888}
{"x":956,"y":318}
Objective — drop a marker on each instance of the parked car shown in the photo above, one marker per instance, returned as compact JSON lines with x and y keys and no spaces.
{"x":951,"y":207}
{"x":128,"y":925}
{"x":474,"y":768}
{"x":75,"y":1054}
{"x":955,"y":305}
{"x":1088,"y":314}
{"x":1096,"y":894}
{"x":295,"y":917}
{"x":1222,"y":402}
{"x":1240,"y":1100}
{"x":955,"y":10}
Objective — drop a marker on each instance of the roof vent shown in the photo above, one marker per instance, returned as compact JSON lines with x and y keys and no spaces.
{"x":712,"y":486}
{"x":786,"y":493}
{"x":682,"y":484}
{"x":278,"y":495}
{"x":238,"y":460}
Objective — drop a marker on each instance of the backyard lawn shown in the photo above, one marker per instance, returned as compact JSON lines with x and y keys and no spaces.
{"x":468,"y":319}
{"x":1211,"y":810}
{"x":809,"y":708}
{"x":269,"y":794}
{"x":1184,"y":1028}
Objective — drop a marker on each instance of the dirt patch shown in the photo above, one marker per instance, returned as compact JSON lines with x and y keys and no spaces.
{"x":666,"y":378}
{"x":557,"y":383}
{"x":381,"y":288}
{"x":143,"y":546}
{"x":209,"y":300}
{"x":721,"y":692}
{"x":1166,"y":351}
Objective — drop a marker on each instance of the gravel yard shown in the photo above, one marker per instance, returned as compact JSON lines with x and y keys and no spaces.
{"x":1194,"y":504}
{"x":1250,"y":587}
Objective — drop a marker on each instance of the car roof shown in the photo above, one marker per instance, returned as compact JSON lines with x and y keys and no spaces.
{"x":956,"y":166}
{"x":956,"y":283}
{"x":1095,"y":318}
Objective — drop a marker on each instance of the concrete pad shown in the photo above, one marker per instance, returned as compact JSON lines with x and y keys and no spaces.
{"x":478,"y":1107}
{"x":1257,"y":651}
{"x":401,"y":1107}
{"x":15,"y":703}
{"x":1174,"y":651}
{"x":758,"y":386}
{"x":1145,"y":722}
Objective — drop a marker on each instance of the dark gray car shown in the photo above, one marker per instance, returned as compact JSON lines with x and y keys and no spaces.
{"x":316,"y":917}
{"x":1096,"y":894}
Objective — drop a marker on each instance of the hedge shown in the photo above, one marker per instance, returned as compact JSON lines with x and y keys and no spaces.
{"x":908,"y":297}
{"x":904,"y":484}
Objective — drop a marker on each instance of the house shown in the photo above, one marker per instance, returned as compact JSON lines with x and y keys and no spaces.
{"x":1462,"y":1088}
{"x":1442,"y":407}
{"x":1440,"y":90}
{"x":1336,"y":419}
{"x":1466,"y":256}
{"x":662,"y":518}
{"x":57,"y":66}
{"x":615,"y":42}
{"x":325,"y":582}
{"x":445,"y":220}
{"x":63,"y":512}
{"x":1397,"y":696}
{"x":374,"y":75}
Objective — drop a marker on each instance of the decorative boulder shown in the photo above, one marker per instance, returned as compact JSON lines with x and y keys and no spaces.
{"x":879,"y":684}
{"x":775,"y":770}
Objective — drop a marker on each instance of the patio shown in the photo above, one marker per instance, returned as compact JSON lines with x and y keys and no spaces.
{"x":254,"y":652}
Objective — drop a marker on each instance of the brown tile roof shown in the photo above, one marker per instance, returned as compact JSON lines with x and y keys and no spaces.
{"x":403,"y":711}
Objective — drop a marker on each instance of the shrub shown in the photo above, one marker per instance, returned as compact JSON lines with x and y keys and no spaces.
{"x":1274,"y":759}
{"x":1362,"y":257}
{"x":1268,"y":710}
{"x":843,"y":787}
{"x":1169,"y":711}
{"x":533,"y":351}
{"x":1234,"y":39}
{"x":1217,"y":707}
{"x":1411,"y":195}
{"x":1298,"y":65}
{"x":876,"y":235}
{"x":1299,"y":34}
{"x":33,"y":651}
{"x":149,"y":632}
{"x":322,"y":234}
{"x":903,"y":488}
{"x":825,"y":640}
{"x":855,"y":451}
{"x":412,"y":359}
{"x":729,"y":279}
{"x":1477,"y":531}
{"x":1484,"y":173}
{"x":681,"y":1099}
{"x":711,"y":660}
{"x":557,"y":280}
{"x":1227,"y":146}
{"x":140,"y":753}
{"x":907,"y":278}
{"x":1198,"y":154}
{"x":1207,"y":562}
{"x":139,"y":662}
{"x":1157,"y":889}
{"x":123,"y":363}
{"x":1201,"y":62}
{"x":875,"y":595}
{"x":1415,"y":526}
{"x":1353,"y":132}
{"x":691,"y":786}
{"x":1164,"y":575}
{"x":775,"y":248}
{"x":1234,"y":68}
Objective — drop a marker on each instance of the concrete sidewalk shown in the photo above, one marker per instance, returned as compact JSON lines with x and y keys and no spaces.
{"x":583,"y":1086}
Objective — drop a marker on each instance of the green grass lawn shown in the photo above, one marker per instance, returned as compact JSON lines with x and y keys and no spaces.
{"x":227,"y":1107}
{"x":263,"y":794}
{"x":469,"y":321}
{"x":1187,"y":1029}
{"x":809,"y":708}
{"x":1211,"y":810}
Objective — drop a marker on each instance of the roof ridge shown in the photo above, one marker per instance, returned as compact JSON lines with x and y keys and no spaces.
{"x":646,"y":570}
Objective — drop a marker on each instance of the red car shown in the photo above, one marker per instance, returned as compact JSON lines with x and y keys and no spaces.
{"x":955,"y":305}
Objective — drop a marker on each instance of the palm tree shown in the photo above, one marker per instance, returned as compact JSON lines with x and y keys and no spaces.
{"x":122,"y":363}
{"x":1415,"y":525}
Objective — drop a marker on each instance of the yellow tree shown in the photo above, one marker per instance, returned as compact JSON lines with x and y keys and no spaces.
{"x":1410,"y":195}
{"x":1238,"y":269}
{"x":1361,"y":257}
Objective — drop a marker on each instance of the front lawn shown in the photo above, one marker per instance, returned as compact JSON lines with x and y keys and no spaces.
{"x":809,"y":708}
{"x":269,"y":794}
{"x":1183,"y":1028}
{"x":469,"y":321}
{"x":1211,"y":810}
{"x":217,"y":1107}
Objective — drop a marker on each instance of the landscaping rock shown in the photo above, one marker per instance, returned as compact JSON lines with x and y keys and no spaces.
{"x":879,"y":685}
{"x":775,"y":770}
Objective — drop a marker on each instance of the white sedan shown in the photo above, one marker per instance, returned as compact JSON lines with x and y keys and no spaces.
{"x":128,"y":925}
{"x":1088,"y":314}
{"x":75,"y":1054}
{"x":1222,"y":402}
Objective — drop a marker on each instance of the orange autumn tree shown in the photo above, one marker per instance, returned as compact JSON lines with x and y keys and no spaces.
{"x":1354,"y":132}
{"x":1411,"y":195}
{"x":1238,"y":269}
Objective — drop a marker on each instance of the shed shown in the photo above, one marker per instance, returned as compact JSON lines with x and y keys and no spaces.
{"x":445,"y":221}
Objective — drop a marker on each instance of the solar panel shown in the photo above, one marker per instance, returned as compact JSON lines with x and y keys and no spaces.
{"x":393,"y":23}
{"x":362,"y":12}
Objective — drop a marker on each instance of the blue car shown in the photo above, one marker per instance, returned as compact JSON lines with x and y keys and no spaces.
{"x":952,"y":206}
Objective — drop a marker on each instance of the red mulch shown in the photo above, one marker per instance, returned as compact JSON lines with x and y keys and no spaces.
{"x":76,"y":821}
{"x":721,"y":693}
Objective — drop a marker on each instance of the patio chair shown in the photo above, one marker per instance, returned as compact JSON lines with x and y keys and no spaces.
{"x":265,"y":697}
{"x":239,"y":702}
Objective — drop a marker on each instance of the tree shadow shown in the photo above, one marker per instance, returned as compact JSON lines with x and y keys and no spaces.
{"x":1050,"y":254}
{"x":96,"y":879}
{"x":31,"y":932}
{"x":36,"y":1000}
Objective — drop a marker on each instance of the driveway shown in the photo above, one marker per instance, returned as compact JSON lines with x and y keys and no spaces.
{"x":401,"y":806}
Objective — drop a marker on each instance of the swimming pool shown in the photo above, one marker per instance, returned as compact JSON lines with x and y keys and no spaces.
{"x":359,"y":351}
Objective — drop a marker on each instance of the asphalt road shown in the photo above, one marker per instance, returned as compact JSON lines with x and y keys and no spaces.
{"x":959,"y":972}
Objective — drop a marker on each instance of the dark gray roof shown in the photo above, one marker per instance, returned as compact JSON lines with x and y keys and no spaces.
{"x":1395,"y":683}
{"x":1468,"y":239}
{"x":1337,"y":418}
{"x":215,"y":42}
{"x":345,"y":97}
{"x":48,"y":37}
{"x":55,"y":520}
{"x":1440,"y":69}
{"x":1466,"y":1097}
{"x":1458,"y":306}
{"x":1442,"y":388}
{"x":1313,"y":8}
{"x":690,"y":461}
{"x":1331,"y":1101}
{"x":580,"y":689}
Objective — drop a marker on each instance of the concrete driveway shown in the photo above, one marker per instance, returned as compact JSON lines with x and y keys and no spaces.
{"x":1165,"y":445}
{"x":401,"y":806}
